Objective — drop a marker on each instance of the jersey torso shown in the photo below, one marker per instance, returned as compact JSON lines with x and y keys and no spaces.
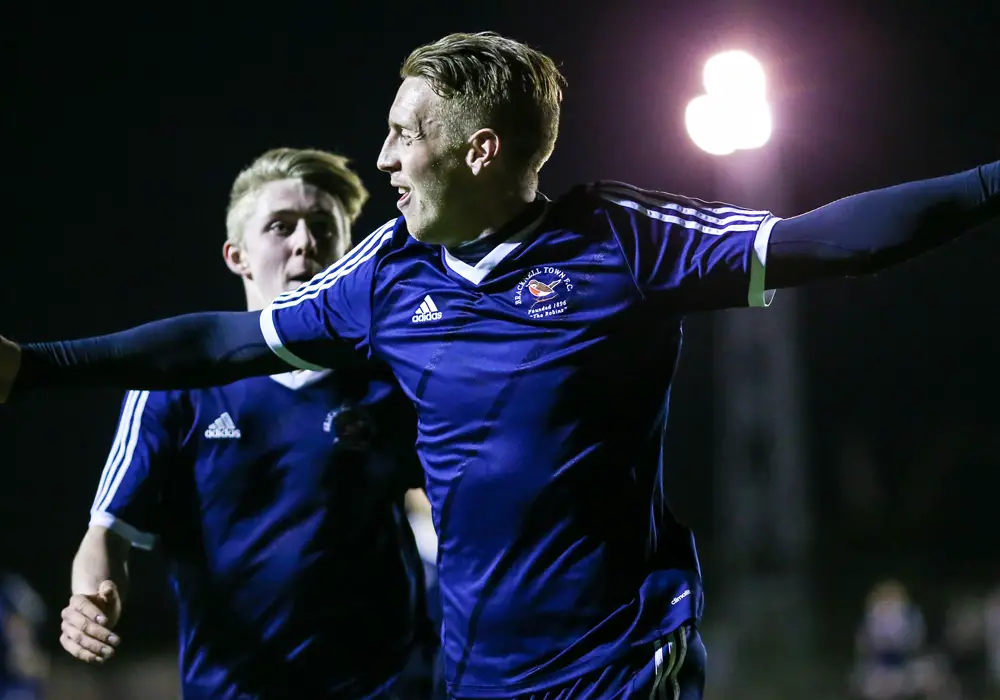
{"x":541,"y":386}
{"x":281,"y":521}
{"x":541,"y":376}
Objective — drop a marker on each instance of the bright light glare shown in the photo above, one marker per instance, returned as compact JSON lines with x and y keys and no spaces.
{"x":734,"y":114}
{"x":734,"y":74}
{"x":755,"y":128}
{"x":719,"y":126}
{"x":707,"y":126}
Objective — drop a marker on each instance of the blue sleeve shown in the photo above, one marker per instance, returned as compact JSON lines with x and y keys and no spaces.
{"x":184,"y":352}
{"x":129,"y":496}
{"x":310,"y":326}
{"x":871,"y":231}
{"x":690,"y":254}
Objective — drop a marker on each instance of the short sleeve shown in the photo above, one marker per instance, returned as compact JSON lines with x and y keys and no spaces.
{"x":691,"y":254}
{"x":310,"y":326}
{"x":129,"y":496}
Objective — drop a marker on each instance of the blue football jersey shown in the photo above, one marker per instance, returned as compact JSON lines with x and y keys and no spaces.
{"x":277,"y":502}
{"x":541,"y":372}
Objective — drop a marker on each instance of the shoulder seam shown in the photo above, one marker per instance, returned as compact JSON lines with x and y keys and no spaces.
{"x":594,"y":188}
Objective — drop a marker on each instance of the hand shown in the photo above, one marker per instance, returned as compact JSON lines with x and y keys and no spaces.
{"x":87,"y":623}
{"x":10,"y":363}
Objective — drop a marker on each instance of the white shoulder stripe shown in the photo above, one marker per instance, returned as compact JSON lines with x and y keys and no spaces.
{"x":313,"y":291}
{"x":128,"y":410}
{"x":120,"y":467}
{"x":696,"y":224}
{"x":363,"y":251}
{"x":718,"y":216}
{"x":666,"y":200}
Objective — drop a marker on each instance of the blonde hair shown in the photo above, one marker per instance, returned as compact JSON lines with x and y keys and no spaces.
{"x":327,"y":171}
{"x":498,"y":83}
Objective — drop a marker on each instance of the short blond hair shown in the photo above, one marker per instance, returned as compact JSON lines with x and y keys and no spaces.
{"x":499,"y":83}
{"x":327,"y":171}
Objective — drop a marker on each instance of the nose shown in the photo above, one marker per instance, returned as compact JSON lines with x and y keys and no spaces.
{"x":387,"y":160}
{"x":303,"y":240}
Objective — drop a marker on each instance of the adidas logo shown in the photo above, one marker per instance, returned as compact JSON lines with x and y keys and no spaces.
{"x":223,"y":428}
{"x":427,"y":311}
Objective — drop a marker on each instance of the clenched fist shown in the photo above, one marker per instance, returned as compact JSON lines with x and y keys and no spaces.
{"x":10,"y":363}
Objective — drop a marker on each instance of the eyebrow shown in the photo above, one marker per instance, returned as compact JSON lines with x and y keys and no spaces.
{"x":393,"y":124}
{"x":298,"y":212}
{"x":315,"y":209}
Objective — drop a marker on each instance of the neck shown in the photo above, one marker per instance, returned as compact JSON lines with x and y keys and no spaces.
{"x":255,"y":302}
{"x":502,"y":211}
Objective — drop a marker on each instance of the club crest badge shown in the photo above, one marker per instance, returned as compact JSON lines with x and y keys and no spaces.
{"x":351,"y":427}
{"x":544,"y":292}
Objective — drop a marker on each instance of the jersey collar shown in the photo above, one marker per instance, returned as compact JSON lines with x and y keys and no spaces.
{"x":497,"y":246}
{"x":300,"y":378}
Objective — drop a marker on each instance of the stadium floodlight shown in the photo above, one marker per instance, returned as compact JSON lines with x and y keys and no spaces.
{"x":733,"y":114}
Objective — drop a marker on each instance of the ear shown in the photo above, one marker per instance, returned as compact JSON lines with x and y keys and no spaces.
{"x":236,"y":260}
{"x":484,"y":147}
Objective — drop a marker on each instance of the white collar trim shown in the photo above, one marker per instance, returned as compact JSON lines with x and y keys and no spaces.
{"x":299,"y":378}
{"x":476,"y":273}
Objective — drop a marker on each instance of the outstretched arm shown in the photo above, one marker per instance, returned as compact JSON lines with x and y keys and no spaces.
{"x":203,"y":349}
{"x":10,"y":366}
{"x":874,"y":230}
{"x":329,"y":315}
{"x":692,"y":255}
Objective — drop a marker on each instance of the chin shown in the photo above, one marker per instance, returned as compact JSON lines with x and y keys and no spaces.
{"x":419,"y":234}
{"x":424,"y":234}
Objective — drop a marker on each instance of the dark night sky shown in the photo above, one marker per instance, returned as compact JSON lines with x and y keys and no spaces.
{"x":122,"y":133}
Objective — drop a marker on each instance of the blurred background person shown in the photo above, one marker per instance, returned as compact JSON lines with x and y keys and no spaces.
{"x":278,"y":501}
{"x":23,"y":663}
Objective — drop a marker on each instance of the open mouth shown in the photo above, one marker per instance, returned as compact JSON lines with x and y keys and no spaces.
{"x":404,"y":196}
{"x":301,"y":278}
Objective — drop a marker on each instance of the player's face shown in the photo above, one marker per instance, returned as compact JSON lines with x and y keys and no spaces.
{"x":427,"y":166}
{"x":294,"y":231}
